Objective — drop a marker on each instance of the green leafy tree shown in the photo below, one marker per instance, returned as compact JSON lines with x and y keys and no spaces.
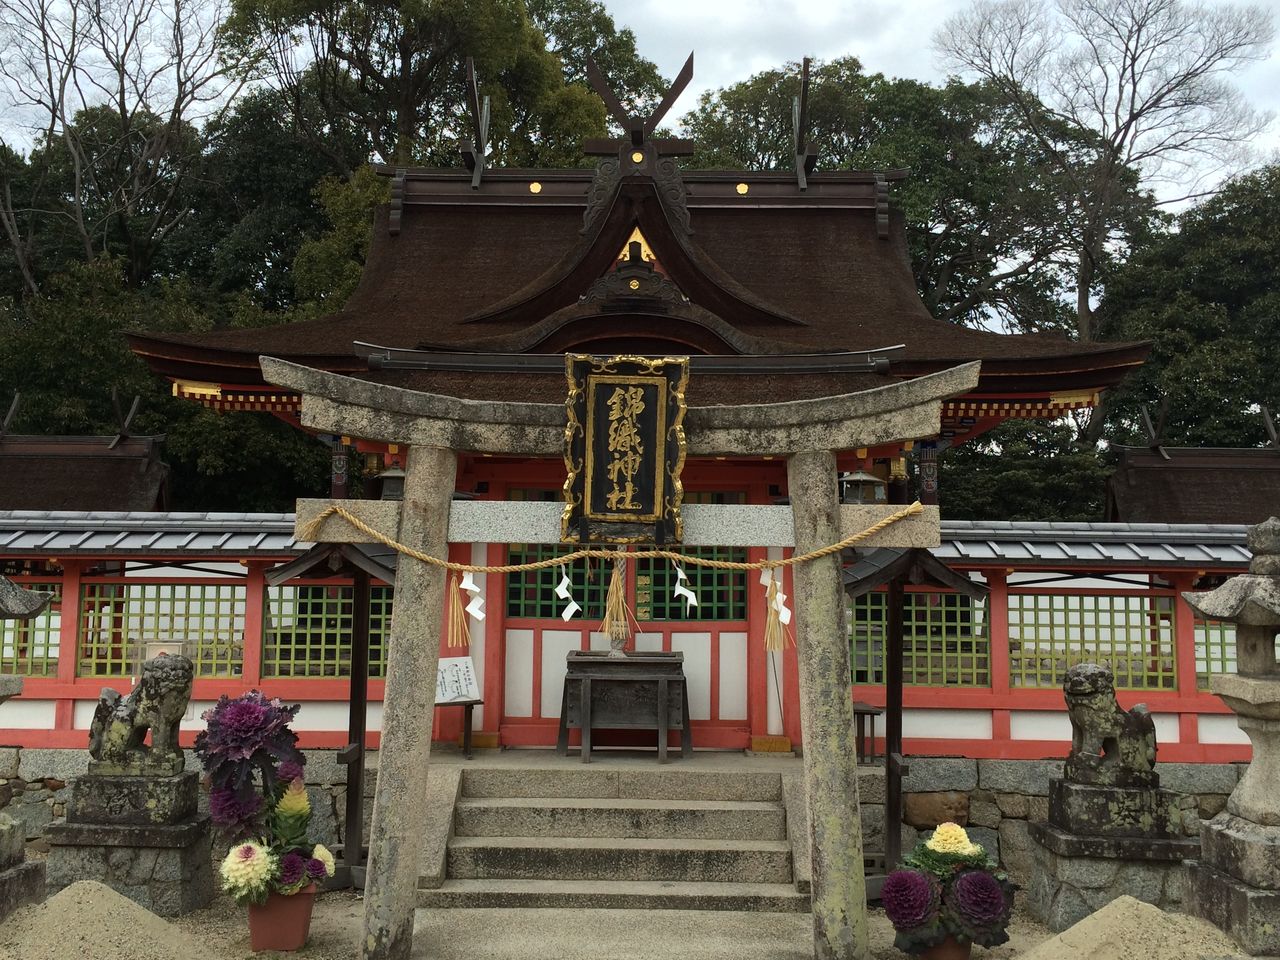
{"x":1022,"y":470}
{"x":65,"y":353}
{"x":1206,"y":295}
{"x":395,"y":68}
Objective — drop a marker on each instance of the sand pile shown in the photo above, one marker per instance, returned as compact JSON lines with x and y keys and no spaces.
{"x":90,"y":921}
{"x":1128,"y":929}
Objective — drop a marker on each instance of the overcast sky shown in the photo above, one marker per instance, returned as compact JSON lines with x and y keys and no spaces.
{"x":732,"y":39}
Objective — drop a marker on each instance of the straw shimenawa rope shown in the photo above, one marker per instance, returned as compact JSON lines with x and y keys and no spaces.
{"x":311,"y":534}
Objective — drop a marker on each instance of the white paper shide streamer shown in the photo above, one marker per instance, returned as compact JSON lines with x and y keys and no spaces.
{"x":476,"y":607}
{"x":682,"y":591}
{"x":564,"y":590}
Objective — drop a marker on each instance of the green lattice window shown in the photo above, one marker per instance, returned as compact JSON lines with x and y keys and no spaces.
{"x":29,"y":648}
{"x":945,"y":640}
{"x":308,"y":630}
{"x":532,"y":593}
{"x":119,"y":620}
{"x":1133,"y":635}
{"x":722,"y":594}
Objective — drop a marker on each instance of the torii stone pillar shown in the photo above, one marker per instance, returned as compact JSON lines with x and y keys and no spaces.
{"x":395,"y":841}
{"x":805,"y":431}
{"x":826,"y":714}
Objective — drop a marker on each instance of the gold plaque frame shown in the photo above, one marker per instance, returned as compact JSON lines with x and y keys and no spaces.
{"x":660,"y":521}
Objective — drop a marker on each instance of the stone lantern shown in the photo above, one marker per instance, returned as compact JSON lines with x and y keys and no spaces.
{"x":1236,"y":883}
{"x":21,"y":880}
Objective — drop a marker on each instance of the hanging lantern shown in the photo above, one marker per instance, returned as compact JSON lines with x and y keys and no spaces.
{"x":862,"y":487}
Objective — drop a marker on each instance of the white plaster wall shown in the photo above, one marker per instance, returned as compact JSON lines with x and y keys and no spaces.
{"x":1214,"y":728}
{"x":1039,"y":725}
{"x":518,"y":677}
{"x":1167,"y":730}
{"x":733,"y":676}
{"x":696,"y":648}
{"x":27,"y":714}
{"x":943,"y":724}
{"x":556,"y":645}
{"x":646,"y":642}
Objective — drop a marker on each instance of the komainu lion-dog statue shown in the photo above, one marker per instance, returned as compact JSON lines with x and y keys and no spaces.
{"x":158,"y":704}
{"x":1109,"y":746}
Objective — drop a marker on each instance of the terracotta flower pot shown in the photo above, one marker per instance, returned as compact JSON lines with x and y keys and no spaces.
{"x":948,"y":949}
{"x":282,"y":923}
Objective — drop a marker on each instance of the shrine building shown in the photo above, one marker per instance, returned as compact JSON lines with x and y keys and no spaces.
{"x":781,"y":287}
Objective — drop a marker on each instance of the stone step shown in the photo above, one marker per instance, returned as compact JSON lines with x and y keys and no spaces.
{"x":638,"y":783}
{"x":574,"y":858}
{"x":613,"y":817}
{"x":616,"y":895}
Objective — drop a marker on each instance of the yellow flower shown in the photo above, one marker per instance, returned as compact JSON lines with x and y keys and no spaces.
{"x":294,"y":802}
{"x":952,"y":838}
{"x":321,"y":853}
{"x":248,"y":866}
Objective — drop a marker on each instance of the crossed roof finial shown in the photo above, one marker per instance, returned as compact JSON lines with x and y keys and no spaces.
{"x":639,"y":130}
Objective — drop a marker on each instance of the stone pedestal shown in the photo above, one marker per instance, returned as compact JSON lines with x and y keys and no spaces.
{"x":1073,"y":876}
{"x":139,"y":835}
{"x":1235,"y":884}
{"x":1102,"y":842}
{"x":20,"y":882}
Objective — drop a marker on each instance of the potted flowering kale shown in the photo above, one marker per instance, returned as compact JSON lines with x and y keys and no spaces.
{"x":258,"y":800}
{"x":948,"y":897}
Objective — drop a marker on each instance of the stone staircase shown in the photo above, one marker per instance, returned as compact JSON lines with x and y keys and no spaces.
{"x":633,"y":837}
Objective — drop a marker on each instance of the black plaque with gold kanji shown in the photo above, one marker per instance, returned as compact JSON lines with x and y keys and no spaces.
{"x":624,"y":449}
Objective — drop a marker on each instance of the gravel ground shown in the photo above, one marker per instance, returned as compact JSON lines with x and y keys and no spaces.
{"x":90,"y":922}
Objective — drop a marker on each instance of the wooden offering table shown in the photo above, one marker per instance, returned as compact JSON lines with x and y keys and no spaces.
{"x":644,"y":691}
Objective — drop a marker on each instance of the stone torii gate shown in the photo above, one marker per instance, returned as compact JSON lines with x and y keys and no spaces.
{"x":435,"y":428}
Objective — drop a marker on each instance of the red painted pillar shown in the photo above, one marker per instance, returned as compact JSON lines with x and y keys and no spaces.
{"x":757,"y":656}
{"x":998,"y":652}
{"x":1184,"y":634}
{"x":255,"y":605}
{"x":68,"y":643}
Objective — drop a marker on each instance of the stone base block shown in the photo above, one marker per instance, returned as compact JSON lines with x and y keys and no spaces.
{"x":167,"y":869}
{"x":1095,"y":811}
{"x":1242,"y":849}
{"x":1066,"y":844}
{"x":134,"y":800}
{"x":1062,"y":890}
{"x":13,"y":842}
{"x":21,"y":885}
{"x":1248,"y":914}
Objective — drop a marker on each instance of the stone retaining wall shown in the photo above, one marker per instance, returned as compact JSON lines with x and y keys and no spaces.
{"x":994,"y":799}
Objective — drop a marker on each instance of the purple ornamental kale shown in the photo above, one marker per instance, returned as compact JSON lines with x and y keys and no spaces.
{"x":239,"y":728}
{"x":293,"y":868}
{"x":978,"y":899}
{"x":316,"y":869}
{"x":910,"y":898}
{"x":234,"y":811}
{"x":289,"y":771}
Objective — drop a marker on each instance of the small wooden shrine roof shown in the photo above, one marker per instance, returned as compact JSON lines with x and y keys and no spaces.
{"x":872,"y":569}
{"x":82,"y":473}
{"x":798,"y":283}
{"x":1189,"y":485}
